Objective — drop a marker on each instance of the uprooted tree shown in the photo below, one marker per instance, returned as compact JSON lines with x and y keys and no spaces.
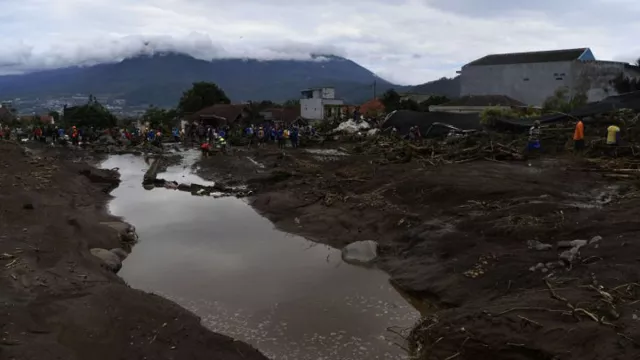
{"x":201,"y":95}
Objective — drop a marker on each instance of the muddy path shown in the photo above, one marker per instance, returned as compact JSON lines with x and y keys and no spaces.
{"x":486,"y":243}
{"x":60,"y":302}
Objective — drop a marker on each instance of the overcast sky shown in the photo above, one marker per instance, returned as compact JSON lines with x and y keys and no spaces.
{"x":406,"y":42}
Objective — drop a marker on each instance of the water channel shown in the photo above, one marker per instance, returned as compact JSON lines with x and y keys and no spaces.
{"x":289,"y":297}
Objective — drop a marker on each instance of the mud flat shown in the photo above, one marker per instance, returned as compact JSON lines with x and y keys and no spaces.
{"x":58,"y":301}
{"x":490,"y":245}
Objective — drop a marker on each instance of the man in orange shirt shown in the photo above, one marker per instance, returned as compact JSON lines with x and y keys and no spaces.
{"x":578,"y":137}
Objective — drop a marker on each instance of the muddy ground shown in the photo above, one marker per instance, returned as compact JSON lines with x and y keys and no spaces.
{"x":479,"y":241}
{"x":57,"y":300}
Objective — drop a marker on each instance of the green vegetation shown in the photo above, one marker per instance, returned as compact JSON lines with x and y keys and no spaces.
{"x":201,"y":95}
{"x":562,"y":102}
{"x":393,"y":101}
{"x":490,"y":116}
{"x":92,"y":114}
{"x":160,"y":118}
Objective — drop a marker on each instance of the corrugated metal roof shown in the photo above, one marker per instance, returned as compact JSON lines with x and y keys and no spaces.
{"x":529,"y":57}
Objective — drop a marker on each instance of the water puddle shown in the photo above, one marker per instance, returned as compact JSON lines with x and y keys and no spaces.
{"x":291,"y":298}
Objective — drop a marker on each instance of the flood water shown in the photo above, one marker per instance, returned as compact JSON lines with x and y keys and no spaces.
{"x":290,"y":298}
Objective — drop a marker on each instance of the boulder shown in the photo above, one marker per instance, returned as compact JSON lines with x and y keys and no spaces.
{"x":360,"y":252}
{"x":122,"y":254}
{"x":110,"y":260}
{"x":126,"y":231}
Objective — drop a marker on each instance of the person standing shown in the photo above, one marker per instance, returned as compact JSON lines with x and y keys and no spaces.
{"x":534,"y":139}
{"x":578,"y":137}
{"x":613,"y":135}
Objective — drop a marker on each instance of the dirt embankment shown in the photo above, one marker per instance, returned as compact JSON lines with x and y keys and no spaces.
{"x":480,"y":240}
{"x":57,"y":301}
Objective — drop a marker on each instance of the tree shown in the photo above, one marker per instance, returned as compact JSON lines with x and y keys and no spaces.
{"x":391,"y":100}
{"x":433,"y":100}
{"x":92,"y":114}
{"x":291,"y":104}
{"x":160,"y":118}
{"x":560,"y":101}
{"x":201,"y":95}
{"x":624,"y":84}
{"x":55,"y":115}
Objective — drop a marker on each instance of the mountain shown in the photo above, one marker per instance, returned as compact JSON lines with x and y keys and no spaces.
{"x":161,"y":79}
{"x":449,"y":87}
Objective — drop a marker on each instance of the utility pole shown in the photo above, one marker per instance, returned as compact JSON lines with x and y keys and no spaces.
{"x":374,"y":89}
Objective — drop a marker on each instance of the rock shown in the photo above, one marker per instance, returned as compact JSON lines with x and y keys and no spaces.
{"x":122,"y":254}
{"x":537,"y":245}
{"x":110,"y":260}
{"x":360,"y":252}
{"x":595,"y":239}
{"x":107,"y":139}
{"x":572,"y":243}
{"x":569,"y":255}
{"x":578,"y":243}
{"x":126,"y":231}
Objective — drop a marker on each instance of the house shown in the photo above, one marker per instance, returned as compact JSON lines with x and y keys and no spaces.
{"x":369,"y":109}
{"x":372,"y":108}
{"x":220,"y":114}
{"x":319,"y":103}
{"x":283,"y":115}
{"x":531,"y":77}
{"x":476,"y":104}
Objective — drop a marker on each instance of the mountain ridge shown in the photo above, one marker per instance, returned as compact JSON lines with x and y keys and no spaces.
{"x":160,"y":79}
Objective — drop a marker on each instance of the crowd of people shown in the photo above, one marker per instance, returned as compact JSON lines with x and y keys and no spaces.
{"x":210,"y":137}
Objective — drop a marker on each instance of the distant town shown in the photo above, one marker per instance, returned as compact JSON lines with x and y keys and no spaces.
{"x":42,"y":105}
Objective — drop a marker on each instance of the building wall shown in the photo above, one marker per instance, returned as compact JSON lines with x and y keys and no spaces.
{"x":533,"y":83}
{"x":594,"y":78}
{"x":529,"y":83}
{"x":314,"y":109}
{"x":328,"y":93}
{"x":311,"y":109}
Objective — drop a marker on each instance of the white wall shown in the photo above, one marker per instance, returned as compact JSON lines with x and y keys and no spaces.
{"x":328,"y":93}
{"x":529,"y":83}
{"x":311,"y":109}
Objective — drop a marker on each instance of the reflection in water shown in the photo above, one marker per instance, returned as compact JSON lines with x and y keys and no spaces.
{"x":291,"y":298}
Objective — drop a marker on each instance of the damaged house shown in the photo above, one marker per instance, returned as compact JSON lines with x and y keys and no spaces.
{"x":221,"y":114}
{"x":532,"y":77}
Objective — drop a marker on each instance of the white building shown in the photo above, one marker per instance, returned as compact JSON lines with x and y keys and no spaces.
{"x":532,"y":77}
{"x":319,"y":103}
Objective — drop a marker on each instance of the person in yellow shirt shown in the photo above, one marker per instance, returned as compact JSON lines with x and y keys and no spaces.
{"x":613,"y":135}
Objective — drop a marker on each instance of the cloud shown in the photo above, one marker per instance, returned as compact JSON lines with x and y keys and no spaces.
{"x":406,"y":41}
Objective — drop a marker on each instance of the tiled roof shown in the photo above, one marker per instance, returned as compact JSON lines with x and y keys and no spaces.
{"x":529,"y":57}
{"x":372,"y":106}
{"x":287,"y":115}
{"x":484,"y":100}
{"x":229,"y":112}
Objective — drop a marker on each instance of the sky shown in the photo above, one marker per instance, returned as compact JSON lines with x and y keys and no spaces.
{"x":406,"y":42}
